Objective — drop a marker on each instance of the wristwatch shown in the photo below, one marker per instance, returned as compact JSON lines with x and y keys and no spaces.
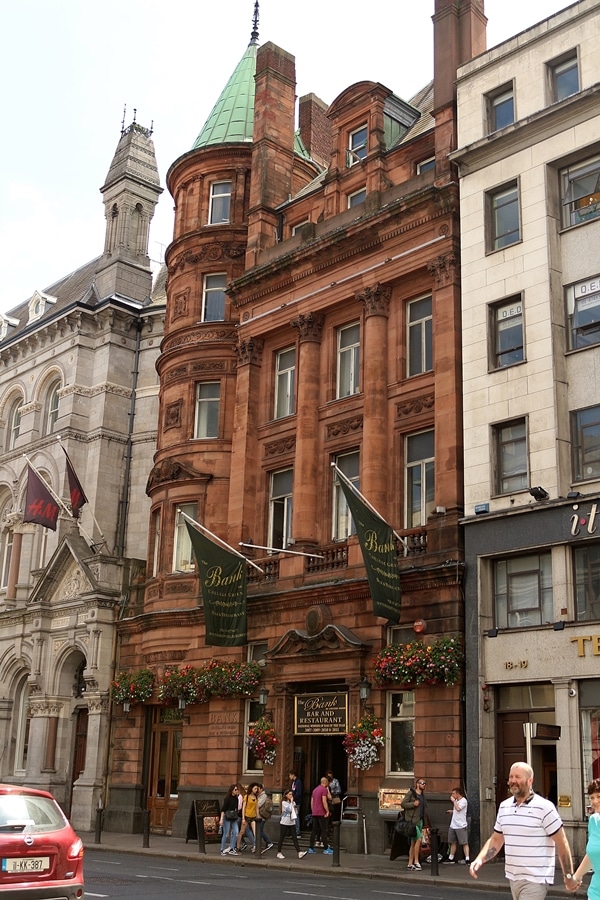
{"x":569,"y":876}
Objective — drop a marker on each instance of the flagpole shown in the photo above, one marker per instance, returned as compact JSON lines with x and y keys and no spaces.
{"x":281,"y":550}
{"x":220,"y":540}
{"x":341,"y":475}
{"x":60,"y":502}
{"x":96,"y":523}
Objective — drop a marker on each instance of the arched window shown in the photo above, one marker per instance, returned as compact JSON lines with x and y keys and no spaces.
{"x":14,"y":424}
{"x":51,"y":406}
{"x":22,"y":728}
{"x":6,"y":541}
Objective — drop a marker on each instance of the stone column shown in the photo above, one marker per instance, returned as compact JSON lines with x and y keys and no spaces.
{"x":304,"y":513}
{"x":375,"y":449}
{"x":244,"y":446}
{"x":42,"y":739}
{"x":87,"y":790}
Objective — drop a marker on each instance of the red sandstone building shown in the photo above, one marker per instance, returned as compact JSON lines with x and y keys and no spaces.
{"x":313,"y":317}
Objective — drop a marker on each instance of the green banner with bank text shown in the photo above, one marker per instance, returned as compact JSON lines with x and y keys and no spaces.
{"x":223,"y":582}
{"x":376,"y":540}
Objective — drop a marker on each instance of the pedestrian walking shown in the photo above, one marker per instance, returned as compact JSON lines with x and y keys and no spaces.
{"x":296,"y":787}
{"x":287,"y":825}
{"x":414,"y":805}
{"x":592,"y":850}
{"x":265,"y":810}
{"x":229,"y":821}
{"x":531,"y":831}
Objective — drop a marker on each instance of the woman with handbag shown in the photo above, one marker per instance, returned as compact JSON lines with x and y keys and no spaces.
{"x":415,"y":811}
{"x":229,"y":822}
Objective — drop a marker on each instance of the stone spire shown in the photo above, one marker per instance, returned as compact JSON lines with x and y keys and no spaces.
{"x":130,"y":194}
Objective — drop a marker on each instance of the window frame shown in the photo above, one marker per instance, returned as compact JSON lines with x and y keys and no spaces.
{"x":342,"y":524}
{"x":156,"y":534}
{"x":545,"y":590}
{"x":251,"y":765}
{"x":578,"y":429}
{"x":515,"y":307}
{"x":204,"y":412}
{"x":284,"y":400}
{"x":401,"y":716}
{"x":426,"y":165}
{"x":558,"y":67}
{"x":574,"y":210}
{"x":499,"y":443}
{"x":6,"y":547}
{"x":423,"y":327}
{"x":214,"y":216}
{"x":14,"y":423}
{"x":586,"y":576}
{"x":426,"y":482}
{"x":357,"y":197}
{"x":347,"y":363}
{"x":208,"y":293}
{"x":50,"y":407}
{"x":497,"y":239}
{"x":357,"y":150}
{"x":181,"y":539}
{"x":280,"y":510}
{"x":493,"y":101}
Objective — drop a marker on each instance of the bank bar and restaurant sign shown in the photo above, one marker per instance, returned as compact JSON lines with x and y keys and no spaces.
{"x":321,"y":714}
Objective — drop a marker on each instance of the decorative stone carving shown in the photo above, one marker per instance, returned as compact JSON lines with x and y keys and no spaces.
{"x":277,"y":448}
{"x":415,"y":406}
{"x":249,"y":351}
{"x":309,"y":327}
{"x":170,"y":470}
{"x":214,"y":251}
{"x":173,"y":415}
{"x":346,"y":426}
{"x":331,"y":637}
{"x":376,"y":299}
{"x":180,"y":305}
{"x":442,"y":268}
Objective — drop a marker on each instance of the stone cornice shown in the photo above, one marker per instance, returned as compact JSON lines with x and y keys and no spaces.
{"x":200,"y":335}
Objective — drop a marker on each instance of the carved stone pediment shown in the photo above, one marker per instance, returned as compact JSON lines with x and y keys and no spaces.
{"x":332,"y":638}
{"x":173,"y":470}
{"x":68,"y":574}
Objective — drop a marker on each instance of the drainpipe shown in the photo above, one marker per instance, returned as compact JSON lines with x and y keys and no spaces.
{"x":124,"y":501}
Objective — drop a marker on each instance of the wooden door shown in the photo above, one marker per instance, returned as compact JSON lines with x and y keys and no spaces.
{"x":163,"y":796}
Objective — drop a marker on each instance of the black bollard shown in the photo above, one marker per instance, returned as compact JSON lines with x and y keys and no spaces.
{"x":201,"y":844}
{"x":146,"y":828}
{"x":335,"y":861}
{"x":98,"y":835}
{"x":434,"y":840}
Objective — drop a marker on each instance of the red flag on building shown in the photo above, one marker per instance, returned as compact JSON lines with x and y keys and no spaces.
{"x":40,"y":505}
{"x":76,"y":492}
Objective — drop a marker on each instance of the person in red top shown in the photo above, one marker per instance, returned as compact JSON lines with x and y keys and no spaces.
{"x":319,"y":808}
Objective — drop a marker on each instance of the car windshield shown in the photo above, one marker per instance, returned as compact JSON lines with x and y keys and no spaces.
{"x":20,"y":812}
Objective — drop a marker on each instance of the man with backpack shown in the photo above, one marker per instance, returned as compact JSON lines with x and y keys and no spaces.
{"x":265,"y":811}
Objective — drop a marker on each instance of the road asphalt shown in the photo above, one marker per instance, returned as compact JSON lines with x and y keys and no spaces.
{"x":372,"y":865}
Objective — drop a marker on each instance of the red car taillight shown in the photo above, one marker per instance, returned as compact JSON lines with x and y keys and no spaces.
{"x":75,"y":851}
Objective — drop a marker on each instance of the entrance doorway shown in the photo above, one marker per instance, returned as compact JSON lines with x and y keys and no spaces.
{"x":313,"y":756}
{"x":79,"y":749}
{"x":165,"y":756}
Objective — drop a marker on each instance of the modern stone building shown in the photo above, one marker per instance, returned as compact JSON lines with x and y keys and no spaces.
{"x":313,"y":317}
{"x":528,"y":137}
{"x":77,"y":360}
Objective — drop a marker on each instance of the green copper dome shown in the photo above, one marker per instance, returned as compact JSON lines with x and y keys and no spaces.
{"x":232,"y":117}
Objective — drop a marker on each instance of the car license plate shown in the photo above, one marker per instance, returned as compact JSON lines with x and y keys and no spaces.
{"x":26,"y":864}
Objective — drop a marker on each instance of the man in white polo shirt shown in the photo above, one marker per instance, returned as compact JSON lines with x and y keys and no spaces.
{"x":531,"y":831}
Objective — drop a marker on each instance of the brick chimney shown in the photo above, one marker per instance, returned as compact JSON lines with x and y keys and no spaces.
{"x":273,"y":145}
{"x":459,"y":34}
{"x":315,"y":128}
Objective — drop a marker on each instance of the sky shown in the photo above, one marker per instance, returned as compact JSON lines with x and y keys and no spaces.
{"x":68,"y":68}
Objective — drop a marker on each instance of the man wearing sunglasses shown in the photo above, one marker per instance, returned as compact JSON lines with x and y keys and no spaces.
{"x":415,"y":810}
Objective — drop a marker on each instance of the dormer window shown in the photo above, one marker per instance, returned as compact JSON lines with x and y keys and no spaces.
{"x":39,"y":304}
{"x":357,"y":146}
{"x":6,"y":323}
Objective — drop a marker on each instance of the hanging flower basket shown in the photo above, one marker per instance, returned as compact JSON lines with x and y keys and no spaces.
{"x":363,"y":741}
{"x":181,"y":685}
{"x":133,"y":687}
{"x":262,"y":740}
{"x":418,"y":663}
{"x":216,"y":679}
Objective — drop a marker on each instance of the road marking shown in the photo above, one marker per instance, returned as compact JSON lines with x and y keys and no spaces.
{"x":397,"y":893}
{"x":89,"y":894}
{"x":321,"y":896}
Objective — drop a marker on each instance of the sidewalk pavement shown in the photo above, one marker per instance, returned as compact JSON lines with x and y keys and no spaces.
{"x":373,"y":865}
